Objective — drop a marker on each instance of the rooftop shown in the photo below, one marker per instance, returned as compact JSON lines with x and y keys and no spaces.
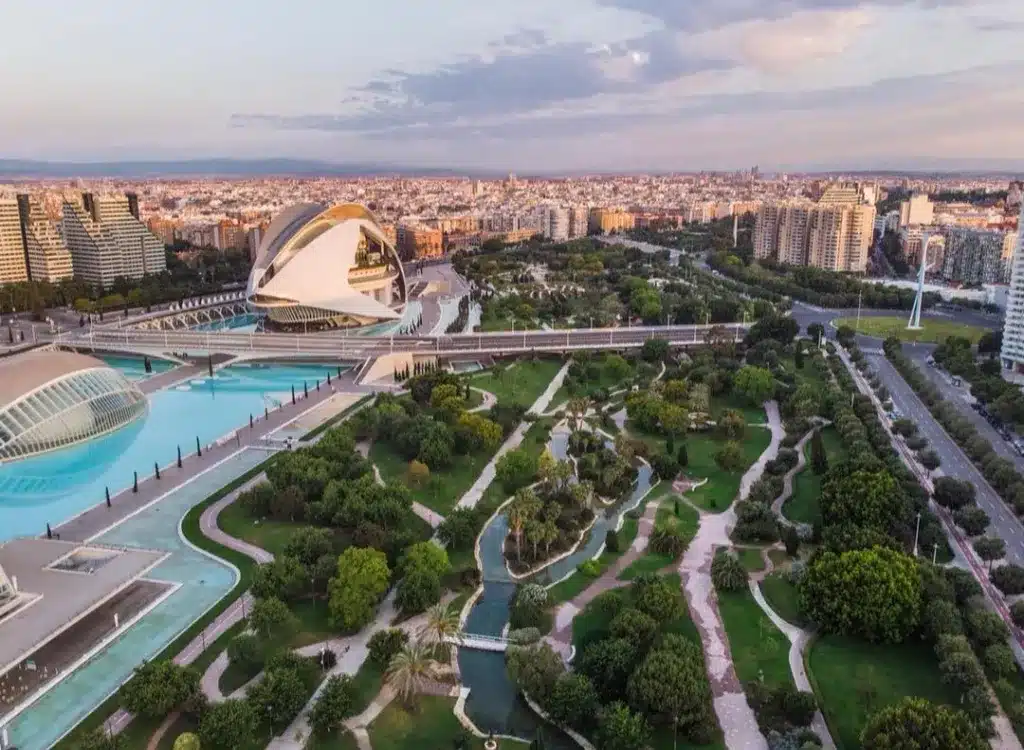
{"x":60,"y":583}
{"x":24,"y":373}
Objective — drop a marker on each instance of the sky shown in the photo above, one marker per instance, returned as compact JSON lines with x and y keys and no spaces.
{"x":519,"y":85}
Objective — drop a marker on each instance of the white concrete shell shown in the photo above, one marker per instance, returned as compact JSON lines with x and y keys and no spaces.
{"x":327,"y":266}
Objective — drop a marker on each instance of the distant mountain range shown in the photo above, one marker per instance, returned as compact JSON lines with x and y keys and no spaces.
{"x":11,"y":168}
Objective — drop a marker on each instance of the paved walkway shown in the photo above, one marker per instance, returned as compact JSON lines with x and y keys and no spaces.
{"x":489,"y":400}
{"x":175,"y":375}
{"x":736,"y":718}
{"x":474,"y":493}
{"x":561,"y":637}
{"x":799,"y":640}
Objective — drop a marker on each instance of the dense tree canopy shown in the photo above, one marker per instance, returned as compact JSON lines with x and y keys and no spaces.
{"x":916,"y":724}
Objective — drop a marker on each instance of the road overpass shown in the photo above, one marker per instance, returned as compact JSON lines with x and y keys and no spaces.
{"x":265,"y":346}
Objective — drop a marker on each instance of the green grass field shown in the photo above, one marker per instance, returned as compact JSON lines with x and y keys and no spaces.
{"x":803,"y":506}
{"x":751,"y":559}
{"x":782,"y":596}
{"x":442,"y":496}
{"x":431,"y":724}
{"x":721,"y":489}
{"x":933,"y":331}
{"x":522,"y":383}
{"x":686,"y":521}
{"x":759,"y":650}
{"x":853,"y":679}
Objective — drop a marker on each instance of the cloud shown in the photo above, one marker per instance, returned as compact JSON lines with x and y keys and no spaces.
{"x":707,"y":15}
{"x":783,"y":45}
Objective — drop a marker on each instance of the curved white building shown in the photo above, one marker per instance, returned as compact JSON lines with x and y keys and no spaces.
{"x":320,"y":267}
{"x":50,"y":400}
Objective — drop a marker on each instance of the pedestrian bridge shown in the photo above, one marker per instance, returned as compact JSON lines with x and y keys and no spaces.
{"x":337,"y":345}
{"x":478,"y":642}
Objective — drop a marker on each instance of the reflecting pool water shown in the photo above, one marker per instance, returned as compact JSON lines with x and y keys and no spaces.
{"x":53,"y":487}
{"x":134,"y":368}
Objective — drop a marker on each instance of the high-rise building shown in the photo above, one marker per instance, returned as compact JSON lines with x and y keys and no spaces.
{"x":554,"y":223}
{"x":579,"y":221}
{"x":835,"y":236}
{"x":417,"y":241}
{"x":1013,"y":324}
{"x":973,"y":256}
{"x":606,"y":220}
{"x":253,"y":238}
{"x":47,"y":254}
{"x":911,"y":241}
{"x":917,"y":211}
{"x":108,"y":241}
{"x":13,"y":263}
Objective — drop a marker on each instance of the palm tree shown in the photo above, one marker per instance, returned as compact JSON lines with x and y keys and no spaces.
{"x":524,"y":506}
{"x":442,"y":624}
{"x":411,"y":670}
{"x":577,"y":408}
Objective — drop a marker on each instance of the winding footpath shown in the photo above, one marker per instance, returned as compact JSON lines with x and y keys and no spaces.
{"x":735,"y":717}
{"x":790,"y":477}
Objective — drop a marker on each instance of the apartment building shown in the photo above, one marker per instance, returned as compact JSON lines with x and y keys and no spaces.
{"x":606,"y":221}
{"x":917,"y":211}
{"x":13,"y":263}
{"x":554,"y":223}
{"x":911,"y":242}
{"x":974,"y":256}
{"x":579,"y":221}
{"x":45,"y":250}
{"x":108,"y":241}
{"x":835,"y":236}
{"x":1013,"y":325}
{"x":417,"y":241}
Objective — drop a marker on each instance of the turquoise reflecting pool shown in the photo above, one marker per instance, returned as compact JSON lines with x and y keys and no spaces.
{"x":53,"y":487}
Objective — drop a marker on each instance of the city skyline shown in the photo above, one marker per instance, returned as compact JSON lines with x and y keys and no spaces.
{"x":589,"y":85}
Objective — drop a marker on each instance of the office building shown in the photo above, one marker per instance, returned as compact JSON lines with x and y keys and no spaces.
{"x":108,"y":241}
{"x":1013,"y":324}
{"x":973,"y":256}
{"x":13,"y":264}
{"x":47,"y":254}
{"x":917,"y":211}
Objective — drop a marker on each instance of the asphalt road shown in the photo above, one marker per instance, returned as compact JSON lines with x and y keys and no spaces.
{"x":954,"y":462}
{"x":960,"y":398}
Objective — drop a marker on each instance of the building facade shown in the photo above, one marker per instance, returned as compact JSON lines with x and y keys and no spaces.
{"x":416,"y":241}
{"x":973,"y":256}
{"x":834,"y":236}
{"x":606,"y":221}
{"x":47,"y":254}
{"x":917,"y":211}
{"x":13,"y":263}
{"x":1013,"y":324}
{"x":108,"y":241}
{"x":554,"y":223}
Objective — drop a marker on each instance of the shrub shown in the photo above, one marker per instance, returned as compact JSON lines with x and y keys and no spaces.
{"x":589,"y":568}
{"x":1009,"y":579}
{"x":384,"y":644}
{"x":727,"y":573}
{"x":524,"y":636}
{"x":611,"y":541}
{"x":668,"y":541}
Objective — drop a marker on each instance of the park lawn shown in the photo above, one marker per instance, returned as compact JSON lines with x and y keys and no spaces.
{"x":804,"y":505}
{"x":721,"y":488}
{"x":431,"y":725}
{"x":750,"y":559}
{"x":783,"y":597}
{"x":759,"y":650}
{"x":266,"y":534}
{"x":341,"y":740}
{"x":522,"y":383}
{"x":367,"y":682}
{"x":534,"y":442}
{"x":853,"y":679}
{"x":686,"y":521}
{"x":753,"y":414}
{"x":933,"y":331}
{"x":577,"y":583}
{"x":444,"y":495}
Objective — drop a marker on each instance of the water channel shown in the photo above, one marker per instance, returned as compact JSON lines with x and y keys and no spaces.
{"x":493,"y":703}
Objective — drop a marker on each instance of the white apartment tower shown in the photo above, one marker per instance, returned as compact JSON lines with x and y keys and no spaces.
{"x":1013,"y":324}
{"x":918,"y":211}
{"x":108,"y":241}
{"x":47,"y":254}
{"x":13,"y":265}
{"x":554,"y":223}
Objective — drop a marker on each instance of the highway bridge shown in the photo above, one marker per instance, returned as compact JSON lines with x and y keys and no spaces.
{"x":265,"y":346}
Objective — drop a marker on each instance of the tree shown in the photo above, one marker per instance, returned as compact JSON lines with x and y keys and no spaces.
{"x":916,"y":724}
{"x":989,"y":549}
{"x":284,"y":578}
{"x":418,"y":589}
{"x":384,"y":644}
{"x":621,"y":729}
{"x":953,"y":493}
{"x":1009,"y":579}
{"x":732,"y":424}
{"x":755,"y":384}
{"x":245,"y":652}
{"x":672,"y":683}
{"x":308,"y":544}
{"x":271,"y":620}
{"x":684,"y":456}
{"x":515,"y":469}
{"x":425,"y":556}
{"x":999,"y":660}
{"x":278,"y":697}
{"x":635,"y":626}
{"x":186,"y":741}
{"x":819,"y":456}
{"x":573,"y":701}
{"x":972,"y":520}
{"x":535,"y":670}
{"x":459,"y":528}
{"x":865,"y":499}
{"x":815,"y":331}
{"x":872,"y":593}
{"x":654,"y":350}
{"x":478,"y":432}
{"x":929,"y":459}
{"x":411,"y":670}
{"x":363,"y":577}
{"x":336,"y":703}
{"x":227,"y":725}
{"x":159,"y":687}
{"x":727,"y":573}
{"x":443,"y":622}
{"x":730,"y":458}
{"x":523,"y":508}
{"x":657,"y":597}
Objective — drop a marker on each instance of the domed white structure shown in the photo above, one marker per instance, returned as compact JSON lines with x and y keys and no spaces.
{"x":320,"y":267}
{"x":50,"y":400}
